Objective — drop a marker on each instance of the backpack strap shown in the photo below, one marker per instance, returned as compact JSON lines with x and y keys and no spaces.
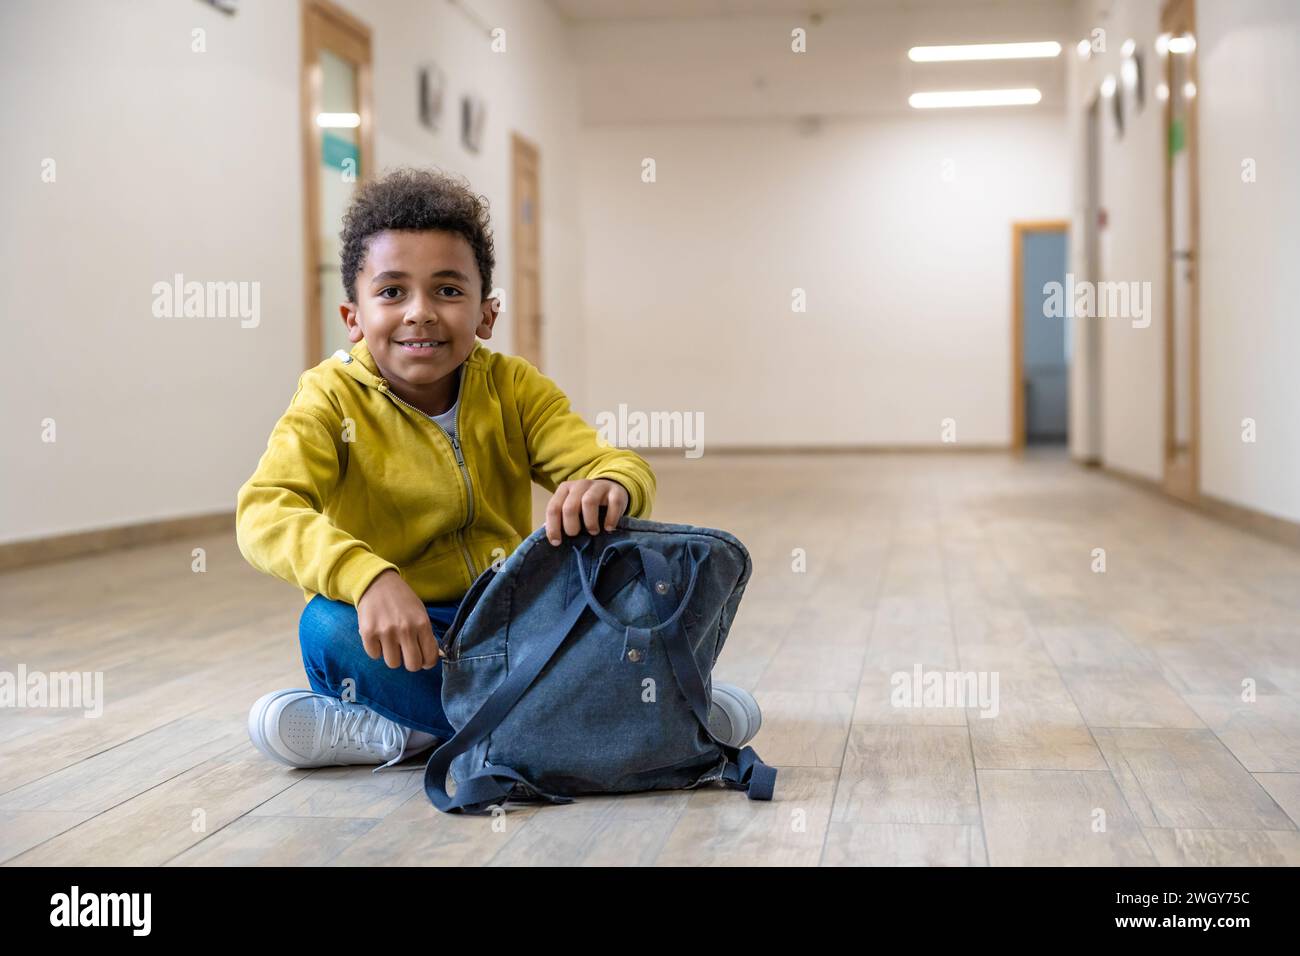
{"x":493,"y":785}
{"x":489,"y":786}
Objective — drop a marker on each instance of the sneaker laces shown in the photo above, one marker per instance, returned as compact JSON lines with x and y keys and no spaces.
{"x":360,"y":727}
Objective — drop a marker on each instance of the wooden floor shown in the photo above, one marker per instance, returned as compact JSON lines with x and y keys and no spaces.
{"x":1122,"y":736}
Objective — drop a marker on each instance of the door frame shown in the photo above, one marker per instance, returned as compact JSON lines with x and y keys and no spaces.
{"x":1178,"y":17}
{"x":1018,"y":232}
{"x":527,"y":326}
{"x":324,"y":24}
{"x":1089,"y":336}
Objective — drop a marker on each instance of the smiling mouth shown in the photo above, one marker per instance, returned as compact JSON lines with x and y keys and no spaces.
{"x":420,"y":346}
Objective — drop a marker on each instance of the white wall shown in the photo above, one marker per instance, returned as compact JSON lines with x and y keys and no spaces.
{"x":1084,"y":403}
{"x":908,"y":277}
{"x":907,"y":273}
{"x":1249,"y":61}
{"x":171,"y":161}
{"x":1250,"y":245}
{"x":1131,"y":249}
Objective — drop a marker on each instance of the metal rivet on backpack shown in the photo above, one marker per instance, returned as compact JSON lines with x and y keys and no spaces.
{"x":634,"y":655}
{"x":661,"y":587}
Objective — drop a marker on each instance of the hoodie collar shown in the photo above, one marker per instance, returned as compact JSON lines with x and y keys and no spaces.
{"x":360,"y":364}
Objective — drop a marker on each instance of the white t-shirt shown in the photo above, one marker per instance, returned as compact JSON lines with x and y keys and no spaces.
{"x":448,"y":418}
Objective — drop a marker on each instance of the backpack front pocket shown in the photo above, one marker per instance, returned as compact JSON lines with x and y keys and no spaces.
{"x":597,"y":718}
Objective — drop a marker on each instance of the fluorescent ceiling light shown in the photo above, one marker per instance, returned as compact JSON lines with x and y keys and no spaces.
{"x":1084,"y":49}
{"x":338,"y":120}
{"x":1182,"y":44}
{"x":984,"y":51}
{"x":940,"y":100}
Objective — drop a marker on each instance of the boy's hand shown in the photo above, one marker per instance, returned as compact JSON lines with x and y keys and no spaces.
{"x":577,"y":503}
{"x":394,"y":624}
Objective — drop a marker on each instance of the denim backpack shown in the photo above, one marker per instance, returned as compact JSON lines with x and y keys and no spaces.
{"x":584,"y":668}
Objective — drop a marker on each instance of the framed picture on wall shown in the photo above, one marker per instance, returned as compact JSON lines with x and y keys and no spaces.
{"x":432,"y":86}
{"x":473,"y":114}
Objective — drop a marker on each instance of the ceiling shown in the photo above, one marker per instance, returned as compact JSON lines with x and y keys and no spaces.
{"x":673,"y":61}
{"x":679,"y":9}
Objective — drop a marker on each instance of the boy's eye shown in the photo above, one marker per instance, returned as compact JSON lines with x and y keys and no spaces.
{"x":398,"y":290}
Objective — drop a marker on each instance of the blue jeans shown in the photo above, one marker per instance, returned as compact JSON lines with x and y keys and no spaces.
{"x":332,"y":653}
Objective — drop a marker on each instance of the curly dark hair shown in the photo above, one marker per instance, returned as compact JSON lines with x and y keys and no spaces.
{"x":410,"y":198}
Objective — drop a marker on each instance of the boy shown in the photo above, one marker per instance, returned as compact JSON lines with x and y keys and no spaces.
{"x":401,"y":470}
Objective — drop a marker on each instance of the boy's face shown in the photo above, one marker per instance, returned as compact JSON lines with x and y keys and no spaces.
{"x":418,"y":286}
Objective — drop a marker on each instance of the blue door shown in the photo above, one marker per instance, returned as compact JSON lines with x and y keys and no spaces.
{"x":1044,"y":356}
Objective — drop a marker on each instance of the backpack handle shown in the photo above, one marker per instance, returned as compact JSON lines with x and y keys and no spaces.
{"x":653,"y":565}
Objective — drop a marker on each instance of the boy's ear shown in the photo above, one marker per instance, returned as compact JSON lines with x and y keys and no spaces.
{"x":488,"y":317}
{"x":349,"y":312}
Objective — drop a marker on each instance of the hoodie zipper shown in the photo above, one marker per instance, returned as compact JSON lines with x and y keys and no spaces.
{"x":460,"y":460}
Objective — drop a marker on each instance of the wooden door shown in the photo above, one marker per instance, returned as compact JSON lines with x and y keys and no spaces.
{"x":1182,"y":295}
{"x":337,"y":137}
{"x":526,"y":303}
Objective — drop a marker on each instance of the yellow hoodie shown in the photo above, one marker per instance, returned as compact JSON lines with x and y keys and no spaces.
{"x":355,"y":481}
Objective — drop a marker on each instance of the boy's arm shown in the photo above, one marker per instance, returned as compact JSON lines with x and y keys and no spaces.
{"x":279,"y":523}
{"x":563,"y":447}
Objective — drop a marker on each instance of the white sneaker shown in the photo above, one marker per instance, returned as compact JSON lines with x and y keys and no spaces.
{"x":304,"y":729}
{"x":734,"y":717}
